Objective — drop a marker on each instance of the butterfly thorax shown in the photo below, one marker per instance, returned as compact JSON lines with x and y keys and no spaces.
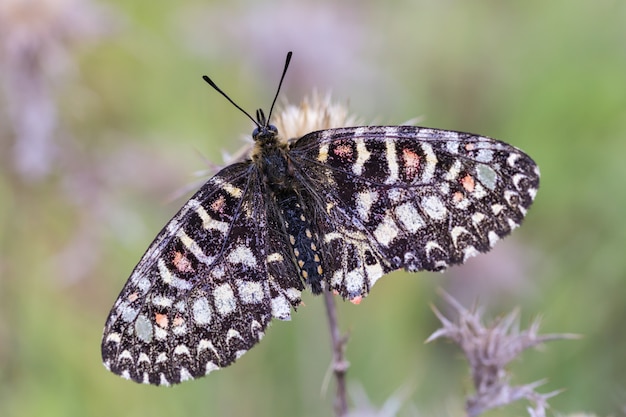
{"x":270,"y":157}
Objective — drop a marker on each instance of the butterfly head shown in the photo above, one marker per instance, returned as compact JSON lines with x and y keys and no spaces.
{"x":264,"y":132}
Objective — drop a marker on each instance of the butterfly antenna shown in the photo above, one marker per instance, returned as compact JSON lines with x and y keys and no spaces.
{"x":216,"y":88}
{"x":287,"y":60}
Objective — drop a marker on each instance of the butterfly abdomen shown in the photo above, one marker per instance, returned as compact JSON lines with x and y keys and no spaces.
{"x":302,"y":240}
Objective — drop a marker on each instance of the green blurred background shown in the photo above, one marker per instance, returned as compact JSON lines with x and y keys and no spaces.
{"x":104,"y":119}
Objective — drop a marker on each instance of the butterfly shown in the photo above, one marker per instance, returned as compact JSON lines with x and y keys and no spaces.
{"x":332,"y":210}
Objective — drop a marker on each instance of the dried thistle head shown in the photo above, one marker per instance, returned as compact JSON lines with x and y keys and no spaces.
{"x":489,"y":349}
{"x":313,"y":113}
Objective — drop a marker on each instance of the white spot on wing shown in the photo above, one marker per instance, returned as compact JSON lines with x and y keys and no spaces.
{"x":469,"y":252}
{"x":161,"y":301}
{"x":487,"y":176}
{"x":293,"y":294}
{"x":231,"y":334}
{"x":456,"y":232}
{"x":201,"y":311}
{"x":434,"y":207}
{"x":409,"y":217}
{"x":281,"y":308}
{"x":362,"y":153}
{"x":484,"y":155}
{"x":179,"y":329}
{"x":386,"y":231}
{"x":185,"y":375}
{"x":250,"y":291}
{"x":181,"y":350}
{"x":329,"y":237}
{"x":322,"y":156}
{"x":354,"y":282}
{"x":210,"y":367}
{"x":126,"y":355}
{"x":143,"y":328}
{"x":336,"y":278}
{"x":431,"y":162}
{"x":242,"y":255}
{"x":493,"y":238}
{"x":496,"y":209}
{"x":224,"y":299}
{"x":113,"y":337}
{"x":373,"y":272}
{"x":512,"y":159}
{"x":432,"y":245}
{"x":275,"y":257}
{"x":144,"y":284}
{"x":479,"y":191}
{"x":511,"y":197}
{"x":205,"y":344}
{"x":477,"y":217}
{"x":392,"y":162}
{"x":364,"y":202}
{"x":159,"y":333}
{"x":452,"y":146}
{"x":127,"y":313}
{"x":454,"y":170}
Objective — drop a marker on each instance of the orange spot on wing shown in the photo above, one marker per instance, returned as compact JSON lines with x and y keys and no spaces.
{"x":356,"y":300}
{"x":469,"y":147}
{"x":457,"y":197}
{"x":411,"y":162}
{"x":343,"y":151}
{"x":178,"y":320}
{"x":218,"y":205}
{"x":182,"y":263}
{"x":161,"y":320}
{"x":468,"y":183}
{"x":133,"y":296}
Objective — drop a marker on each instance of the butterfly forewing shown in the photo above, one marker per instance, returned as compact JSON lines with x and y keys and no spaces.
{"x":206,"y":289}
{"x":410,"y":197}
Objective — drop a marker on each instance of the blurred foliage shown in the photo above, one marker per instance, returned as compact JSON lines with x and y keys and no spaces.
{"x":132,"y":115}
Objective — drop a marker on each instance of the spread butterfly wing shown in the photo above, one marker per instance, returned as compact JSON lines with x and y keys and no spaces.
{"x":205,"y":290}
{"x":411,"y":197}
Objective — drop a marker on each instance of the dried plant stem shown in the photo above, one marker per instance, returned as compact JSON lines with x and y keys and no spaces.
{"x":340,"y":365}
